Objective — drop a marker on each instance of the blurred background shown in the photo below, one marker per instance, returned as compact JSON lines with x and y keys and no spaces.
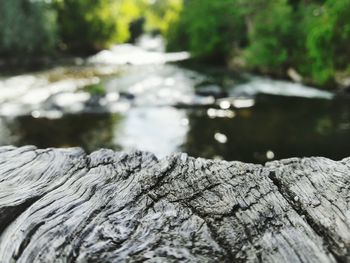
{"x":240,"y":80}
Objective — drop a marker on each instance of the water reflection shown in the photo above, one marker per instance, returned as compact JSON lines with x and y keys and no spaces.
{"x":127,"y":98}
{"x":160,"y":130}
{"x":90,"y":131}
{"x":277,"y":127}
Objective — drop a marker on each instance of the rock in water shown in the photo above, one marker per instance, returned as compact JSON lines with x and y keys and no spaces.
{"x":62,"y":205}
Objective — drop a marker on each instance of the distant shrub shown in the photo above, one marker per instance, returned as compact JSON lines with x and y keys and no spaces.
{"x":96,"y":89}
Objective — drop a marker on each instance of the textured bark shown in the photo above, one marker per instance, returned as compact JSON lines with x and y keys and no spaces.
{"x":61,"y":205}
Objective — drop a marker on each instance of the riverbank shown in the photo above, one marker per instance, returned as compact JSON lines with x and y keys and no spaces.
{"x":340,"y":86}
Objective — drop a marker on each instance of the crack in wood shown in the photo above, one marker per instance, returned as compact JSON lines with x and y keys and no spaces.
{"x":66,"y":206}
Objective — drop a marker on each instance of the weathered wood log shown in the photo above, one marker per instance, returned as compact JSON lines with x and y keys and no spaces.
{"x":62,"y":205}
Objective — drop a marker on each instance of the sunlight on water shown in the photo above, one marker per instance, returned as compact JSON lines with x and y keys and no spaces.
{"x":243,"y":103}
{"x":21,"y":95}
{"x":157,"y":130}
{"x":221,"y":138}
{"x":130,"y":54}
{"x":259,"y":85}
{"x":215,"y":113}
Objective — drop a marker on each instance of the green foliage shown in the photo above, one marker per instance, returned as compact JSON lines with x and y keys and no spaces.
{"x":90,"y":25}
{"x":160,"y":14}
{"x":128,"y":11}
{"x":271,"y":34}
{"x":327,"y":41}
{"x":208,"y":28}
{"x":38,"y":27}
{"x":216,"y":30}
{"x":96,"y":89}
{"x":86,"y":25}
{"x":27,"y":28}
{"x":310,"y":36}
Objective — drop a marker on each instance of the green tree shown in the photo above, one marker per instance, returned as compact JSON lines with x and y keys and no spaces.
{"x":272,"y":34}
{"x":212,"y":29}
{"x":86,"y":26}
{"x":328,"y":38}
{"x":27,"y":28}
{"x":311,"y":36}
{"x":161,"y":14}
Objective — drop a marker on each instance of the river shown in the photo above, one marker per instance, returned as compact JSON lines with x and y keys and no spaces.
{"x":138,"y":97}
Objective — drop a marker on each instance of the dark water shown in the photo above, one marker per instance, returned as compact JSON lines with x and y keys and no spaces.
{"x":276,"y":127}
{"x":90,"y":131}
{"x":284,"y":126}
{"x":165,"y":108}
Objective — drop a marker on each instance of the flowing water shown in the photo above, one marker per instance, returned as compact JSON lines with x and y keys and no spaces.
{"x":129,"y":98}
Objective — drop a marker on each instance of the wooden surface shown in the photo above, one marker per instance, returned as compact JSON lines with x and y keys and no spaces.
{"x":62,"y":205}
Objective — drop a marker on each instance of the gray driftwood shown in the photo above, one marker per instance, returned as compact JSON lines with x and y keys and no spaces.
{"x":61,"y":205}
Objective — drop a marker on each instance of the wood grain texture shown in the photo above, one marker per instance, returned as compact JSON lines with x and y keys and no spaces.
{"x":62,"y":205}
